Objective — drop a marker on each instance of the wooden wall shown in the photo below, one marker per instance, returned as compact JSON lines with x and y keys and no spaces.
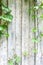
{"x":20,"y":35}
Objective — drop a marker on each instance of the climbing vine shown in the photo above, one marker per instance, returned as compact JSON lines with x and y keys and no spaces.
{"x":5,"y":19}
{"x":34,"y":9}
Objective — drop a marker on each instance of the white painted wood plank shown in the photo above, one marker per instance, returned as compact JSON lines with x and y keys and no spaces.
{"x":27,"y":36}
{"x":40,"y":25}
{"x":18,"y":28}
{"x":12,"y":31}
{"x":3,"y":53}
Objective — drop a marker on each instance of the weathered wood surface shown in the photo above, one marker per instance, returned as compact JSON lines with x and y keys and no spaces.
{"x":20,"y":39}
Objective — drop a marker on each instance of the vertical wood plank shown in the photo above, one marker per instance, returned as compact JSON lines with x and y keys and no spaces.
{"x":18,"y":29}
{"x":27,"y":35}
{"x":24,"y":32}
{"x":30,"y":44}
{"x":40,"y":45}
{"x":12,"y":31}
{"x":3,"y":53}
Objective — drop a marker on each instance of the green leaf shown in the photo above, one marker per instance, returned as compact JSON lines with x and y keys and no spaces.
{"x":1,"y":33}
{"x":6,"y":9}
{"x":4,"y":26}
{"x":10,"y":62}
{"x":41,"y":5}
{"x":34,"y":16}
{"x":34,"y":30}
{"x":35,"y":40}
{"x":17,"y":59}
{"x":7,"y":17}
{"x":41,"y":34}
{"x":7,"y":35}
{"x":41,"y":16}
{"x":36,"y":7}
{"x":1,"y":28}
{"x":35,"y":51}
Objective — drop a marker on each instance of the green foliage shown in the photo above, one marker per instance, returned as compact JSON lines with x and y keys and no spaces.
{"x":34,"y":30}
{"x":41,"y":34}
{"x":34,"y":10}
{"x":5,"y":9}
{"x":5,"y":18}
{"x":16,"y":59}
{"x":35,"y":51}
{"x":35,"y":40}
{"x":25,"y":1}
{"x":2,"y":30}
{"x":7,"y":35}
{"x":10,"y":62}
{"x":41,"y":5}
{"x":33,"y":16}
{"x":36,"y":7}
{"x":41,"y":16}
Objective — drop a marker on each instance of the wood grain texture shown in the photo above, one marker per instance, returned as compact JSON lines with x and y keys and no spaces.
{"x":20,"y":35}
